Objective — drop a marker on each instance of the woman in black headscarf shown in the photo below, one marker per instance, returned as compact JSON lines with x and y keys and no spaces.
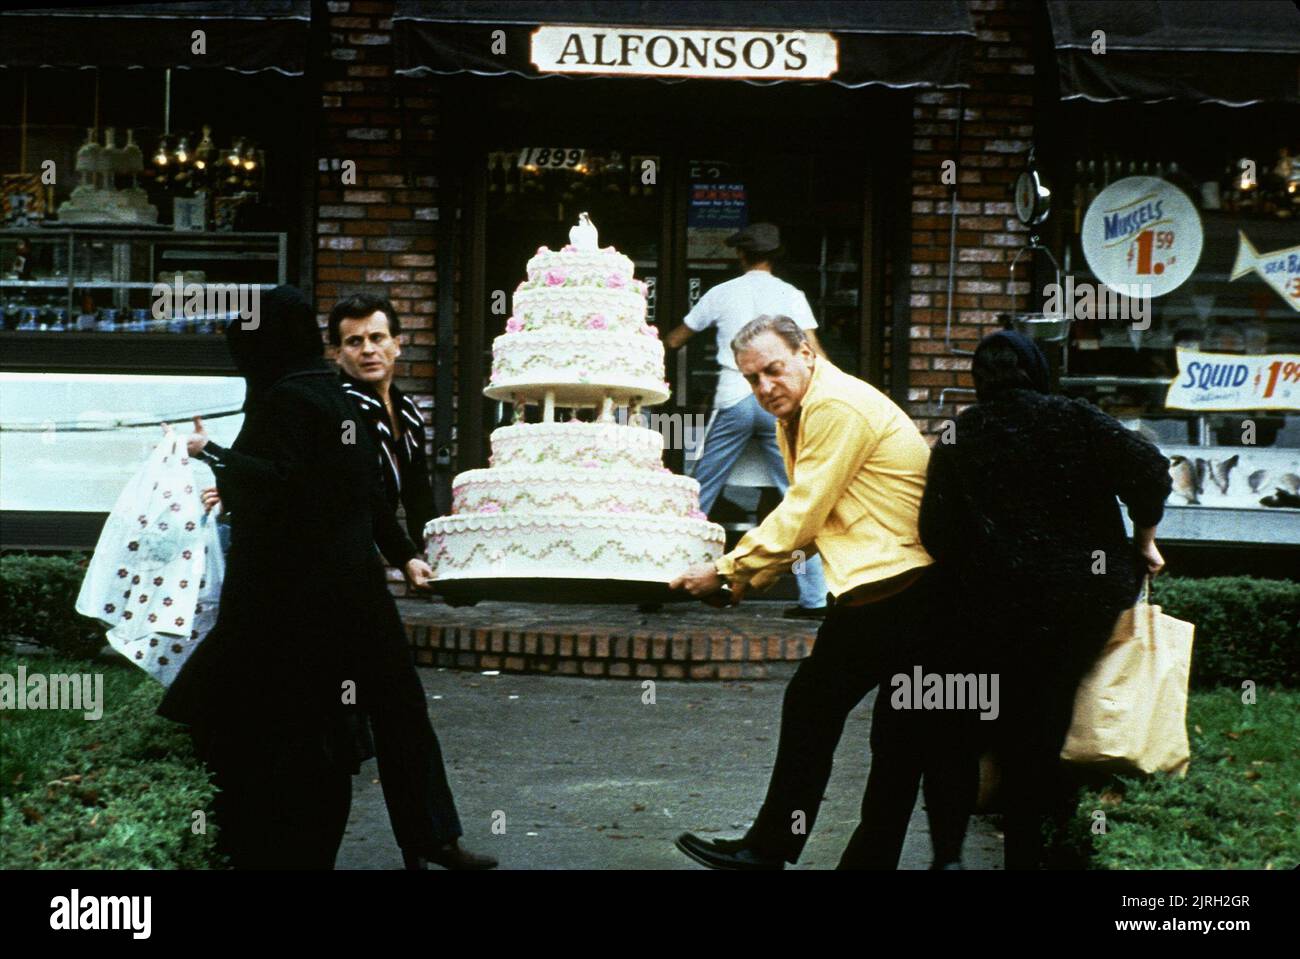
{"x":1021,"y":514}
{"x":273,"y":693}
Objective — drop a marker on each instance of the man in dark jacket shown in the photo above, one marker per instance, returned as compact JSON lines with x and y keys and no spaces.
{"x":364,"y":329}
{"x":308,"y":640}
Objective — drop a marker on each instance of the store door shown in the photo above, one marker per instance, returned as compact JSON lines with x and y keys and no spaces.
{"x":666,"y":173}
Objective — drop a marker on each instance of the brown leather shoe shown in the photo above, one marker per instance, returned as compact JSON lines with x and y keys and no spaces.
{"x":450,"y":856}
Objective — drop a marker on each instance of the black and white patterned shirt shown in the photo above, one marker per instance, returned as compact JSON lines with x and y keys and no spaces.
{"x":401,"y":452}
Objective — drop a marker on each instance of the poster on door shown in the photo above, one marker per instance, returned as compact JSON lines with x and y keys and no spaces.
{"x":1142,"y":236}
{"x":716,"y":209}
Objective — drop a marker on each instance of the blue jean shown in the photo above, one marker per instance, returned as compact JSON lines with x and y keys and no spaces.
{"x":731,"y":430}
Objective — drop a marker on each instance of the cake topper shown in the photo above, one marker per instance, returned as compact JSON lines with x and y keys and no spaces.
{"x":583,"y":236}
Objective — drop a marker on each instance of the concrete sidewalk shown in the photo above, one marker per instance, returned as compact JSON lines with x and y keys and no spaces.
{"x":589,"y":777}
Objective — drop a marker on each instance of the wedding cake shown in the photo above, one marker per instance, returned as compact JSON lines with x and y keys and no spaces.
{"x":577,"y":499}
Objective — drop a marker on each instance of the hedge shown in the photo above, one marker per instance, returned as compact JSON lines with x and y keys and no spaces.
{"x":1246,"y":629}
{"x":120,"y":795}
{"x":37,"y":596}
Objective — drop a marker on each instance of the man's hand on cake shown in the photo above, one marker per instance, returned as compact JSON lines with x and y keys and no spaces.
{"x":419,"y":573}
{"x":700,"y":581}
{"x":211,"y":498}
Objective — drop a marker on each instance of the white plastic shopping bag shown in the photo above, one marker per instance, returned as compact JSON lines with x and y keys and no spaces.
{"x":156,"y":572}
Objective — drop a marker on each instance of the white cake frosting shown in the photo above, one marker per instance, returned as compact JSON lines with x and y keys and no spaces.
{"x":577,"y":444}
{"x":575,"y":500}
{"x":578,"y":328}
{"x":579,"y":365}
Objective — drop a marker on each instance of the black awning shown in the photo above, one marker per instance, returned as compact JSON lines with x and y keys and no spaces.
{"x":243,"y":36}
{"x":895,"y":44}
{"x":1202,"y":52}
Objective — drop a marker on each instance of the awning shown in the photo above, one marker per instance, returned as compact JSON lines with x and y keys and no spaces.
{"x":852,"y":44}
{"x":1235,"y":54}
{"x":246,"y":37}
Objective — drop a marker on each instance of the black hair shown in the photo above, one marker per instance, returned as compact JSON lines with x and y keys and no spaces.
{"x":751,"y":258}
{"x":283,"y":338}
{"x":358,"y":306}
{"x":996,"y":368}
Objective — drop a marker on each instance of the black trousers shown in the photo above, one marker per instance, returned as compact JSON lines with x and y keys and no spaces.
{"x":856,"y":649}
{"x":281,"y":802}
{"x":411,"y":769}
{"x":1041,"y":665}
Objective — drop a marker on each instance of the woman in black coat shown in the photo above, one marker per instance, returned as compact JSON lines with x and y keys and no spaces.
{"x":307,"y":633}
{"x":1021,"y":514}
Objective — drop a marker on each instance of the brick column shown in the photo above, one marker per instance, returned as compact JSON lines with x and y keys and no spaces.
{"x":377,"y":235}
{"x":996,"y":133}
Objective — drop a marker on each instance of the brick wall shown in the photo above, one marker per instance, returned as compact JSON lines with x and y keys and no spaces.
{"x":996,"y":132}
{"x":378,"y":234}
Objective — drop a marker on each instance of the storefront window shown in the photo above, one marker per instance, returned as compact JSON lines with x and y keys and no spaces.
{"x":81,"y":436}
{"x":1240,"y":171}
{"x":118,"y":180}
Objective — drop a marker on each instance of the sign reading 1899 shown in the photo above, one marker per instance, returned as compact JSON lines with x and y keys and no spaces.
{"x":1142,"y":230}
{"x":552,"y":158}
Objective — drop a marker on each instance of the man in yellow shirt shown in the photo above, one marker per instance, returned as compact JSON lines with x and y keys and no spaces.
{"x":857,"y":468}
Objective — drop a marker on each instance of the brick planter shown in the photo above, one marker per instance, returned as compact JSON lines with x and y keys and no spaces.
{"x":617,"y":642}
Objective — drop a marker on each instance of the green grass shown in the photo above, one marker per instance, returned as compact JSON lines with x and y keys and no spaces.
{"x":31,"y":740}
{"x":113,"y":793}
{"x":1238,"y":807}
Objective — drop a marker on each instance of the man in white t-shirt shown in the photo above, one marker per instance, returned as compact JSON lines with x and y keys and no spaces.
{"x":738,"y":416}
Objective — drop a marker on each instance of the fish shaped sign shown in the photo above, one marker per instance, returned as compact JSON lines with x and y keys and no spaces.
{"x":1279,"y":269}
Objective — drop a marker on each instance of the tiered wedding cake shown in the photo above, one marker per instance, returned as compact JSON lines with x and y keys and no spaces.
{"x":575,"y":500}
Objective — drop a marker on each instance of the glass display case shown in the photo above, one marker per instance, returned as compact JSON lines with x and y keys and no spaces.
{"x":103,"y":281}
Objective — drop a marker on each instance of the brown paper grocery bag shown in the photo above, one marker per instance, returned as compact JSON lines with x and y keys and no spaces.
{"x":1130,"y":713}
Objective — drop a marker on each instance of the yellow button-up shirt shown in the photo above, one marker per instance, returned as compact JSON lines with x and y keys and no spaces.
{"x":857,"y":472}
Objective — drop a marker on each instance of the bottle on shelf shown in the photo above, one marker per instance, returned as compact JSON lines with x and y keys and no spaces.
{"x":1078,"y":195}
{"x":510,"y":171}
{"x":86,"y":319}
{"x":1228,"y":188}
{"x":107,"y":321}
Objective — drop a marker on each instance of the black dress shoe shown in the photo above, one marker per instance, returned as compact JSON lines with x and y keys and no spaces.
{"x":725,"y":854}
{"x":450,"y":856}
{"x":805,"y":612}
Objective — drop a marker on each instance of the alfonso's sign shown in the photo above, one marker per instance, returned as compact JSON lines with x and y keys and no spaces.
{"x":720,"y":54}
